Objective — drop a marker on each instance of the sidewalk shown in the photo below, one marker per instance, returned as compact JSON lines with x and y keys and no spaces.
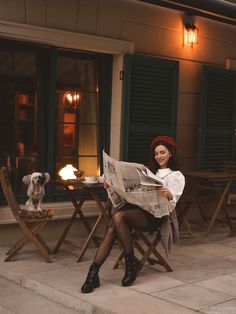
{"x":203,"y":281}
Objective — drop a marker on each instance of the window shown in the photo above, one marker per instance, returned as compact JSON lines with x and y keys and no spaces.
{"x":150,"y":102}
{"x":218,"y":118}
{"x":55,"y":111}
{"x":77,"y":114}
{"x":19,"y":111}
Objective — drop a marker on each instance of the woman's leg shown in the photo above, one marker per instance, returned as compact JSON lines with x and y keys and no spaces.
{"x":121,"y":225}
{"x":106,"y":245}
{"x":92,"y":280}
{"x":125,"y":221}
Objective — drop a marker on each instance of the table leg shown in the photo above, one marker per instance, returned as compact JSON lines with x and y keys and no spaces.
{"x":79,"y":211}
{"x":219,"y":206}
{"x":227,"y":216}
{"x":103,"y":210}
{"x":91,"y":235}
{"x":66,"y":230}
{"x":195,"y":199}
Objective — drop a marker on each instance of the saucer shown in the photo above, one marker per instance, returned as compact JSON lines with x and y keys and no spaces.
{"x":91,"y":182}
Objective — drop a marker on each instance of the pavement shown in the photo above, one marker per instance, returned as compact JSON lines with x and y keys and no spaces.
{"x":203,"y":281}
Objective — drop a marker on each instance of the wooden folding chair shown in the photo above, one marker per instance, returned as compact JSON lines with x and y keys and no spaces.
{"x":230,"y":166}
{"x":30,"y":222}
{"x":184,"y":205}
{"x":182,"y":208}
{"x":147,"y":248}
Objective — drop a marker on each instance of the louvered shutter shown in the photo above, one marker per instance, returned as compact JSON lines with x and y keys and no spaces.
{"x":217,"y":124}
{"x":149,"y":103}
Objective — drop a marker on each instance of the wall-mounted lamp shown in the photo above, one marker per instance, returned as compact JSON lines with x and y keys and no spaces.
{"x":190,"y":34}
{"x":72,"y":99}
{"x":67,"y":172}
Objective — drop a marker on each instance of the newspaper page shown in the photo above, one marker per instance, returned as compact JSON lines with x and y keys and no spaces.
{"x":134,"y":183}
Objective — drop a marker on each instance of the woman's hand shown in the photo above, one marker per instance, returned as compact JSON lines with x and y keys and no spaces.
{"x":165,"y":192}
{"x":106,"y":186}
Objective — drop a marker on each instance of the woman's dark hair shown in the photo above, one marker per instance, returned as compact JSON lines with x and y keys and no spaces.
{"x":172,"y":162}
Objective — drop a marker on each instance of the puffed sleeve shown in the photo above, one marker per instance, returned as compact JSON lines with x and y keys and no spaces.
{"x":175,"y":183}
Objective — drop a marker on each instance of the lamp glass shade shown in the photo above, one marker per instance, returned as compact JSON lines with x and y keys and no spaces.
{"x":67,"y":172}
{"x":190,"y":34}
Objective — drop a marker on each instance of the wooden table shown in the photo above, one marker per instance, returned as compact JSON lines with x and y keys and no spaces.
{"x":87,"y":192}
{"x":218,"y":182}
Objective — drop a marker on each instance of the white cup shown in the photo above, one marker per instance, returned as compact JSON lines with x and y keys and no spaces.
{"x":91,"y":179}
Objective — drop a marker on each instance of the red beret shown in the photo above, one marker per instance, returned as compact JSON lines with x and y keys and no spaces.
{"x":166,"y":139}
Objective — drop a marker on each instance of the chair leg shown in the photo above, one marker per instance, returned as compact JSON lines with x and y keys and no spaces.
{"x":119,"y":259}
{"x":24,"y":239}
{"x":41,"y":249}
{"x":152,"y":249}
{"x":16,"y":247}
{"x":43,"y":242}
{"x":150,"y":260}
{"x":162,"y":260}
{"x":30,"y":235}
{"x":185,"y":219}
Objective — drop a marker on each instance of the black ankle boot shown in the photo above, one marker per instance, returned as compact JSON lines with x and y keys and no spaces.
{"x":132,"y":266}
{"x":92,"y":281}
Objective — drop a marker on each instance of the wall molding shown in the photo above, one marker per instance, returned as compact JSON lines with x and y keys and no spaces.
{"x":64,"y":39}
{"x":62,"y":210}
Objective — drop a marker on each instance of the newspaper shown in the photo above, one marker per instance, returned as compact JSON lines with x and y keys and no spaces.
{"x":134,"y":183}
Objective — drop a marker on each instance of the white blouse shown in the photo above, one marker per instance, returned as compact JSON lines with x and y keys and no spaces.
{"x":174,"y":181}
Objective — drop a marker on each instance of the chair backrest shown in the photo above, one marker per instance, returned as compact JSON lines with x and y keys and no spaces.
{"x":9,"y":195}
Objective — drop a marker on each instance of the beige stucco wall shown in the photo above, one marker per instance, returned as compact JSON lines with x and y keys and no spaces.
{"x":154,"y":31}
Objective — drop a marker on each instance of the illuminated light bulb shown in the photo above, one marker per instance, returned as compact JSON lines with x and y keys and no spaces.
{"x":69,"y":97}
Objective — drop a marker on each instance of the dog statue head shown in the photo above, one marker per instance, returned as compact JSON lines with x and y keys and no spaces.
{"x":36,"y":178}
{"x":36,"y":182}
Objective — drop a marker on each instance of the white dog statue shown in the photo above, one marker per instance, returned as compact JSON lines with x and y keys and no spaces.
{"x":36,"y":182}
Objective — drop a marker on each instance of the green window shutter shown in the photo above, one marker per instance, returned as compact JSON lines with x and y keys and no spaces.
{"x":149,"y":104}
{"x":217,"y":123}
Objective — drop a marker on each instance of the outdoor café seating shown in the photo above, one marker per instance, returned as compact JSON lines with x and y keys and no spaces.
{"x":146,"y":242}
{"x":30,"y":222}
{"x":215,"y":185}
{"x":147,"y":248}
{"x":93,"y":192}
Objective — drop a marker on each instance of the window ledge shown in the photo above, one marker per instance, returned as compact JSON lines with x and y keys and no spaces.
{"x":61,"y":210}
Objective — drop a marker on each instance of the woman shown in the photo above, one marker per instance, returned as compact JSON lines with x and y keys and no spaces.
{"x":163,"y":163}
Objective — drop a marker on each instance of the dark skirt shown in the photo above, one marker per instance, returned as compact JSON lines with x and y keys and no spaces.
{"x":153,"y":223}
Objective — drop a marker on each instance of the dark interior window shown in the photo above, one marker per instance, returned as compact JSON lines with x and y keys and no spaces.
{"x":19,"y":117}
{"x":52,"y":115}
